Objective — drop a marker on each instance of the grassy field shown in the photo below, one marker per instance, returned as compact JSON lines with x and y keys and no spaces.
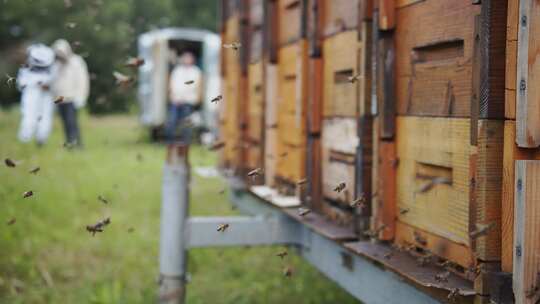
{"x":46,"y":256}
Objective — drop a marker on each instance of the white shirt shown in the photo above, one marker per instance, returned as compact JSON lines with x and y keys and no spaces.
{"x":180,"y":92}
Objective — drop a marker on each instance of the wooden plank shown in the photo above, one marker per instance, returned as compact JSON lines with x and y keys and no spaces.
{"x":364,"y":68}
{"x":363,"y":172}
{"x":340,"y":63}
{"x":315,"y":95}
{"x":340,"y":16}
{"x":407,"y":235}
{"x":322,"y":226}
{"x":387,"y":14}
{"x":528,"y":72}
{"x":271,"y":96}
{"x":385,"y":218}
{"x":434,"y":58}
{"x":511,"y":58}
{"x":314,"y":173}
{"x":256,"y":102}
{"x":315,"y":18}
{"x":511,"y":153}
{"x":526,"y":270}
{"x":488,"y":189}
{"x":402,"y":3}
{"x":386,"y":95}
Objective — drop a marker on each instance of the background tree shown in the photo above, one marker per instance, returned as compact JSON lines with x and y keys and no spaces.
{"x":104,"y":32}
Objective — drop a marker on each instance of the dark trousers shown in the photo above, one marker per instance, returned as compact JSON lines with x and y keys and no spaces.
{"x":68,"y":113}
{"x":177,"y":114}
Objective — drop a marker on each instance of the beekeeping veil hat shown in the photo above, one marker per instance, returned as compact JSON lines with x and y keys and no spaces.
{"x":62,"y":48}
{"x":40,"y":55}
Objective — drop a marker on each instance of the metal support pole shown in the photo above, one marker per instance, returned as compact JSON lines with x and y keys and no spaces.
{"x":174,"y":214}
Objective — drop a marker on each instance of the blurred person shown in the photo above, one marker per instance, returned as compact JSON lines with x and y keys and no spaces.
{"x":72,"y":83}
{"x":185,"y":95}
{"x":37,"y":107}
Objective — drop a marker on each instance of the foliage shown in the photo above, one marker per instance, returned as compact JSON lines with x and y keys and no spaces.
{"x":107,"y":31}
{"x":119,"y":266}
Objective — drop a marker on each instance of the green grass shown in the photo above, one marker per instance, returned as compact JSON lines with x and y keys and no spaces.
{"x":48,"y":257}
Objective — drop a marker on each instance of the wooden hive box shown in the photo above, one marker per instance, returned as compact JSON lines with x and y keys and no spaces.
{"x":256,"y":34}
{"x":340,"y":15}
{"x":291,"y":112}
{"x":255,"y":114}
{"x":289,"y":21}
{"x":230,"y":117}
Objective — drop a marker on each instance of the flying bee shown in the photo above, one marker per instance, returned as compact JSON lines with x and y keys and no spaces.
{"x":302,"y":182}
{"x":102,"y":199}
{"x":403,"y":210}
{"x":59,"y":99}
{"x":121,"y":79}
{"x":255,"y":172}
{"x":388,"y":255}
{"x":419,"y":239}
{"x":442,"y":277}
{"x":288,"y":272}
{"x":130,"y":230}
{"x":435,"y":181}
{"x":28,"y":193}
{"x":10,"y":80}
{"x":303,"y":211}
{"x":98,"y":227}
{"x":375,"y":232}
{"x":34,"y":170}
{"x":354,"y":78}
{"x":11,"y":221}
{"x":360,"y":201}
{"x":216,"y":146}
{"x":71,"y":25}
{"x":10,"y":163}
{"x":222,"y":191}
{"x":235,"y":46}
{"x":340,"y":187}
{"x":222,"y":227}
{"x":216,"y":99}
{"x":139,"y":157}
{"x":189,"y":82}
{"x":76,"y":44}
{"x":481,"y":230}
{"x":134,"y":62}
{"x":284,"y":154}
{"x":282,"y":254}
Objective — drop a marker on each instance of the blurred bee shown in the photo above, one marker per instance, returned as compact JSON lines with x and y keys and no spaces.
{"x":419,"y":239}
{"x":435,"y":181}
{"x":360,"y":201}
{"x":130,"y":230}
{"x":340,"y":187}
{"x":282,"y":254}
{"x":71,"y":25}
{"x":98,"y":227}
{"x":255,"y":172}
{"x":424,"y":260}
{"x":222,"y":191}
{"x":374,"y":233}
{"x":11,"y":221}
{"x":354,"y":78}
{"x":454,"y":293}
{"x":68,"y":4}
{"x":76,"y":44}
{"x":34,"y":170}
{"x":217,"y":145}
{"x":10,"y":80}
{"x":302,"y":182}
{"x":288,"y":272}
{"x":481,"y":230}
{"x":284,"y":154}
{"x":442,"y":277}
{"x":222,"y":227}
{"x":121,"y":79}
{"x":28,"y":193}
{"x":216,"y":99}
{"x":403,"y":211}
{"x":59,"y":99}
{"x":134,"y":62}
{"x":189,"y":82}
{"x":10,"y":163}
{"x":303,"y":211}
{"x":235,"y":45}
{"x":102,"y":199}
{"x":388,"y":255}
{"x":139,"y":157}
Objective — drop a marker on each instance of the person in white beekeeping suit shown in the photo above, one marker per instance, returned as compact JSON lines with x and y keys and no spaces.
{"x":185,"y":85}
{"x":72,"y":83}
{"x":37,"y":107}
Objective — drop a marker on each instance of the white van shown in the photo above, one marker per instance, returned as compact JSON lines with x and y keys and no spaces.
{"x":155,"y":48}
